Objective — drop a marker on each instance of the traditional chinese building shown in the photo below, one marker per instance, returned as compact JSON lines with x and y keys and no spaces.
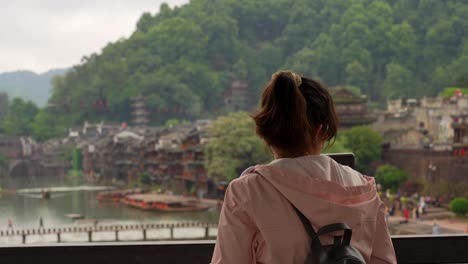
{"x":460,"y":134}
{"x":428,"y":160}
{"x":351,"y":109}
{"x":173,"y":158}
{"x":194,"y":176}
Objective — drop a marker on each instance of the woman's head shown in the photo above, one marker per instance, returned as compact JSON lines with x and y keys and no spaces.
{"x":296,"y":115}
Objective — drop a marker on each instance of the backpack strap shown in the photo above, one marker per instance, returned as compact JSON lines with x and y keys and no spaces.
{"x":338,"y":227}
{"x":305,"y":222}
{"x":308,"y":227}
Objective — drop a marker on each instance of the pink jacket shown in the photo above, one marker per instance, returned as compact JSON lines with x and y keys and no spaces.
{"x":258,"y":225}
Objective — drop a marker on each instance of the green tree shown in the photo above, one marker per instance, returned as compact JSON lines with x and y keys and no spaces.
{"x":171,"y":122}
{"x":144,"y":179}
{"x":177,"y":38}
{"x":183,"y":59}
{"x":459,"y":206}
{"x":403,"y":44}
{"x":338,"y":146}
{"x":398,"y":82}
{"x":19,"y":118}
{"x":356,"y":74}
{"x":223,"y":45}
{"x":390,"y":177}
{"x":77,"y":159}
{"x":300,"y":62}
{"x":145,"y":22}
{"x":233,"y":146}
{"x":365,"y":143}
{"x":45,"y":126}
{"x":462,"y":80}
{"x":450,"y":91}
{"x":4,"y":101}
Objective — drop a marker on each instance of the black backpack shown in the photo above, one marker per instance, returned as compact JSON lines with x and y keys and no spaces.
{"x":339,"y":252}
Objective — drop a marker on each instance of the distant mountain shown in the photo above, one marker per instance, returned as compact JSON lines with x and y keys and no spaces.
{"x":29,"y":85}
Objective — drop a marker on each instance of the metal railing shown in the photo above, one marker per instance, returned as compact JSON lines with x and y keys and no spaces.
{"x":92,"y":231}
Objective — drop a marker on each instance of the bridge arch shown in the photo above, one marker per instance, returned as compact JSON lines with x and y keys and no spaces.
{"x":20,"y":168}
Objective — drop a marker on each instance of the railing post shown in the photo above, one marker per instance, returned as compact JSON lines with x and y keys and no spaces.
{"x":116,"y":235}
{"x":24,"y":237}
{"x":172,"y":231}
{"x":58,"y":237}
{"x":144,"y":234}
{"x":207,"y":231}
{"x":90,"y":236}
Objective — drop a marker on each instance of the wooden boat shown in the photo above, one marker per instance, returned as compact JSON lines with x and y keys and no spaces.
{"x":164,"y":203}
{"x":45,"y":195}
{"x":74,"y":216}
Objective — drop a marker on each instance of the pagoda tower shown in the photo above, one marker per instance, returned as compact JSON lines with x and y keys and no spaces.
{"x":140,"y":114}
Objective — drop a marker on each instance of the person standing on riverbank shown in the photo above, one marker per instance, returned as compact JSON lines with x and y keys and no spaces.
{"x":387,"y":214}
{"x":406,"y":214}
{"x":10,"y":223}
{"x":435,"y":228}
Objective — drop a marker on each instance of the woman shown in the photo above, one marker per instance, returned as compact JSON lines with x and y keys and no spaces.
{"x":257,"y":222}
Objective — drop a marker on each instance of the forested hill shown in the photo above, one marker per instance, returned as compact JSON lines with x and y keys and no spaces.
{"x":183,"y":59}
{"x":28,"y":85}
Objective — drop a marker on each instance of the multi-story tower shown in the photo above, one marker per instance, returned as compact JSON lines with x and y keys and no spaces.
{"x":140,"y":114}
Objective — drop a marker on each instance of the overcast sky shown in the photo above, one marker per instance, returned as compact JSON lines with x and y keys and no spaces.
{"x":39,"y":35}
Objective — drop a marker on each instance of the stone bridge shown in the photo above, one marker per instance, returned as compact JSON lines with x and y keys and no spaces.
{"x":27,"y":167}
{"x":21,"y":168}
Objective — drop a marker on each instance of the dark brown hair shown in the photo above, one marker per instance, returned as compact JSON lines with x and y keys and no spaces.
{"x":291,"y":114}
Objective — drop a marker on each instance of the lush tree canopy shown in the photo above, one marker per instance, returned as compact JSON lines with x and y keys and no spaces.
{"x":390,"y":177}
{"x":450,"y":91}
{"x":338,"y":145}
{"x":233,"y":147}
{"x":365,"y":143}
{"x":144,"y":179}
{"x":183,"y":59}
{"x":19,"y":118}
{"x":4,"y":102}
{"x":459,"y":206}
{"x":46,"y":125}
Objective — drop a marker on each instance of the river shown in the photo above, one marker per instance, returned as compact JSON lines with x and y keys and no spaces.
{"x":25,"y":209}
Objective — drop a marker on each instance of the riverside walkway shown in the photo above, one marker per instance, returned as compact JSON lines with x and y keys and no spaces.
{"x":413,"y":227}
{"x":111,"y":233}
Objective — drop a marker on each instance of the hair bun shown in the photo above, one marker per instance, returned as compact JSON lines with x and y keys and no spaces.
{"x":296,"y":77}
